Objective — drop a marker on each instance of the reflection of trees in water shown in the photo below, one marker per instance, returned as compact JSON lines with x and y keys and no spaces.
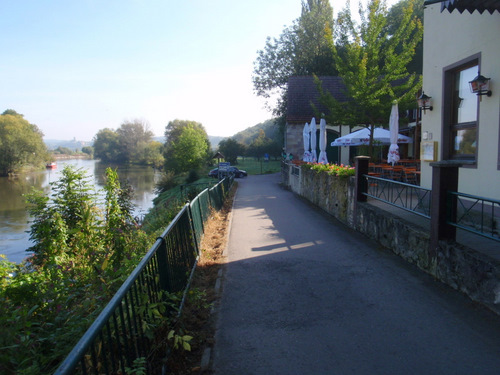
{"x":13,"y":188}
{"x":142,"y":179}
{"x":14,"y":216}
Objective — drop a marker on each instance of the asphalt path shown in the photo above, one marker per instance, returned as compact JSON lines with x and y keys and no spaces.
{"x":304,"y":294}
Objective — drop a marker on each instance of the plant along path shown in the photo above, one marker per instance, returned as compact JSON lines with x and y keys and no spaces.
{"x":197,"y":320}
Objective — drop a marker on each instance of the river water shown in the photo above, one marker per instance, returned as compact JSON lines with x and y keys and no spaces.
{"x":14,"y":218}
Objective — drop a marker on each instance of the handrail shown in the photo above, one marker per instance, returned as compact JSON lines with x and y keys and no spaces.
{"x":474,"y":214}
{"x":87,"y":339}
{"x":116,"y":337}
{"x":408,"y":197}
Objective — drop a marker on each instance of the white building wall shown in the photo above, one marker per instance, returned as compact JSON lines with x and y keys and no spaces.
{"x":448,"y":39}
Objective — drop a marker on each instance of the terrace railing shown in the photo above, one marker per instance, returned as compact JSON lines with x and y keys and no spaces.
{"x":409,"y":197}
{"x":474,"y":214}
{"x":122,"y":333}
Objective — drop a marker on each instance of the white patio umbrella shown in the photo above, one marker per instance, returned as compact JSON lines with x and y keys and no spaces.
{"x":393,"y":155}
{"x":305,"y":135}
{"x":312,"y":128}
{"x":322,"y":142}
{"x":362,"y":138}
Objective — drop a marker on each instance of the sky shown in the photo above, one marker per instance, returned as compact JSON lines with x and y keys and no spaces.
{"x":75,"y":67}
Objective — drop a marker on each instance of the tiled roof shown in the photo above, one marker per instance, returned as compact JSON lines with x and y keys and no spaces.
{"x":470,"y":5}
{"x":302,"y":92}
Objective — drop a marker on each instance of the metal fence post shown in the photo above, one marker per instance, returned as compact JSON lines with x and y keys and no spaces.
{"x":361,"y":164}
{"x":444,"y":179}
{"x":161,"y":256}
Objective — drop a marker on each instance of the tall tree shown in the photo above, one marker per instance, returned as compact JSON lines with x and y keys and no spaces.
{"x":395,"y":16}
{"x":231,"y":149}
{"x":133,"y":137}
{"x":373,"y":64}
{"x":305,"y":48}
{"x":187,"y":146}
{"x":21,"y":143}
{"x":106,"y":145}
{"x":129,"y":144}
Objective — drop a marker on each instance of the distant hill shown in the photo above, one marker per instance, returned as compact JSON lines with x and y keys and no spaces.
{"x":73,"y":145}
{"x":271,"y":129}
{"x":215,"y":140}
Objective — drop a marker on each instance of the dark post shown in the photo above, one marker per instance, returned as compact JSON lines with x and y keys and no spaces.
{"x":361,"y":164}
{"x":161,"y":254}
{"x":444,"y":179}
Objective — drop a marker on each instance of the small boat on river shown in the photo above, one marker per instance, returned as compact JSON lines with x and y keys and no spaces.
{"x":52,"y":165}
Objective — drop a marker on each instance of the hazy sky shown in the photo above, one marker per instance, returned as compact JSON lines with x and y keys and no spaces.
{"x":74,"y":67}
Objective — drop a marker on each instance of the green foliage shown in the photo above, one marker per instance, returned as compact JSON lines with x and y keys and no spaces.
{"x":106,"y":145}
{"x":187,"y":146}
{"x":193,"y":176}
{"x":64,"y":151}
{"x":262,"y":145}
{"x":231,"y":149}
{"x":21,"y":143}
{"x":373,"y":64}
{"x":153,"y":155}
{"x":332,"y":169}
{"x":304,"y":48}
{"x":131,"y":143}
{"x":89,"y":150}
{"x":166,"y":182}
{"x":84,"y":250}
{"x":139,"y":367}
{"x":180,"y":341}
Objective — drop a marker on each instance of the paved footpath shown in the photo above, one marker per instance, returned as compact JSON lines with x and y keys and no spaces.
{"x":303,"y":294}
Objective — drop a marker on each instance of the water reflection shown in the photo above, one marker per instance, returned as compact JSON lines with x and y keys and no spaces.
{"x":14,"y":219}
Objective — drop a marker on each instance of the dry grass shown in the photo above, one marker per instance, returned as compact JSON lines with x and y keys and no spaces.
{"x":197,"y":318}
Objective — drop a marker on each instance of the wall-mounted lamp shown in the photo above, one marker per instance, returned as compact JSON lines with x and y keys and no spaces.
{"x":424,"y":102}
{"x":480,"y":85}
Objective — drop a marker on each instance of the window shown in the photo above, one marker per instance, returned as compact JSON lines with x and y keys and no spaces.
{"x":460,"y":117}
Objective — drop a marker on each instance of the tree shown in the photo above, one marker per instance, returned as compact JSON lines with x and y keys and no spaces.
{"x":187,"y":146}
{"x":106,"y":145}
{"x":89,"y":150}
{"x":394,"y":19}
{"x":373,"y":64}
{"x":133,"y":137}
{"x":21,"y":143}
{"x":305,"y":48}
{"x":153,"y":155}
{"x":263,"y":145}
{"x":231,"y":150}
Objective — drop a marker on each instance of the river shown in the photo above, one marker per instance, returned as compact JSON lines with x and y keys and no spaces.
{"x":14,"y":218}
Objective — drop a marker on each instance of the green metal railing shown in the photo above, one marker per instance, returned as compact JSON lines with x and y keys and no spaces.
{"x":474,"y":214}
{"x":409,"y":197}
{"x":122,"y":333}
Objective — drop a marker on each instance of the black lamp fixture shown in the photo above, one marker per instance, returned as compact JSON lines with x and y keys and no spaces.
{"x":480,"y":85}
{"x":424,"y":102}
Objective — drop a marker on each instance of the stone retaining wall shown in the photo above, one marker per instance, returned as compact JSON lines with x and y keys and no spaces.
{"x":458,"y":266}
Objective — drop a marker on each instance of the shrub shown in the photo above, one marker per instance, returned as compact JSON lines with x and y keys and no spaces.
{"x":332,"y":169}
{"x":192,"y":177}
{"x":166,"y":182}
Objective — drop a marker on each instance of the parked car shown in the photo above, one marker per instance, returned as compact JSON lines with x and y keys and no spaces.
{"x":232,"y":170}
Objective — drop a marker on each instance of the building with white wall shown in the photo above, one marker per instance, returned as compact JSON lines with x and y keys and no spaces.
{"x":461,"y":39}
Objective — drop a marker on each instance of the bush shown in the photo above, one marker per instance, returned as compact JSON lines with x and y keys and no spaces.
{"x":83,"y":251}
{"x":192,"y":177}
{"x":166,"y":182}
{"x":332,"y":169}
